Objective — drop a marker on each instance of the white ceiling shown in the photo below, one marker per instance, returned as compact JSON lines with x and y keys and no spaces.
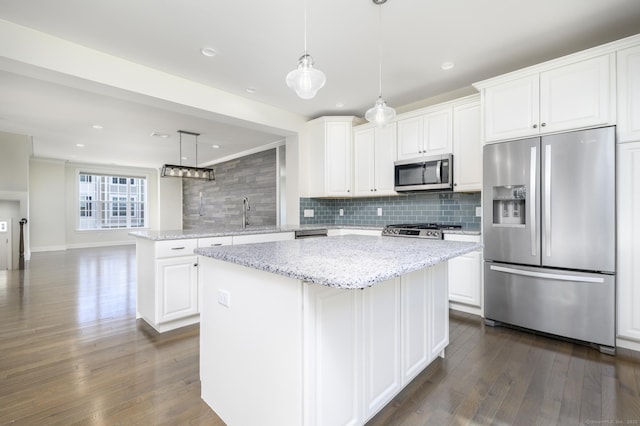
{"x":258,"y":43}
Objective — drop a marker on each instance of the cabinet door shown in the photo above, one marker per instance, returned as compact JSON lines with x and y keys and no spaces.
{"x":437,"y":278}
{"x":464,"y":279}
{"x":415,"y":324}
{"x":384,"y":157}
{"x":437,"y":132}
{"x":628,"y":269}
{"x":512,"y":109}
{"x":338,"y":159}
{"x":467,"y":148}
{"x":576,"y":95}
{"x":410,"y":138}
{"x":381,"y":338}
{"x":364,"y":158}
{"x":177,"y":288}
{"x":333,"y":342}
{"x":629,"y":94}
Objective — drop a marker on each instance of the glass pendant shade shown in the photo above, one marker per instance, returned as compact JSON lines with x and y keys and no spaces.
{"x":380,"y":113}
{"x":306,"y":80}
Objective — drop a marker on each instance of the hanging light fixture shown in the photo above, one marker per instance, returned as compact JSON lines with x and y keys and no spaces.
{"x":195,"y":172}
{"x":306,"y":80}
{"x":380,"y":113}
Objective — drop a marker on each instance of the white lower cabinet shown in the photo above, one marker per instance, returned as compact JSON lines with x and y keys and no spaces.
{"x":382,"y":338}
{"x":177,"y":286}
{"x":363,"y":346}
{"x":167,"y":284}
{"x":465,"y":278}
{"x":628,"y":250}
{"x":333,"y":351}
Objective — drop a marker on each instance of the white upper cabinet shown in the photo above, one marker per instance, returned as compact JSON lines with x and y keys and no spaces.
{"x":467,"y":146}
{"x":572,"y":96}
{"x":629,"y":94}
{"x":374,"y":154}
{"x":426,"y":134}
{"x":327,"y":161}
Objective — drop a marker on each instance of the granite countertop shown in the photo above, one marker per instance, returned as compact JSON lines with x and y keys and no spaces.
{"x":348,"y":261}
{"x":221,"y":231}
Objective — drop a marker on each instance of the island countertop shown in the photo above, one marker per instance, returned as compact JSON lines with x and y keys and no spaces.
{"x":347,"y":262}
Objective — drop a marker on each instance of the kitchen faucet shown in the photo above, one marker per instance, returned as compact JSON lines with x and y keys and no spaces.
{"x":245,"y":209}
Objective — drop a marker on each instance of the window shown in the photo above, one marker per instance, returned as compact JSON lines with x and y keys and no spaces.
{"x":111,"y":202}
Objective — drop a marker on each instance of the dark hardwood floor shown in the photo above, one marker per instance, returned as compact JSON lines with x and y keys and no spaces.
{"x":72,"y":352}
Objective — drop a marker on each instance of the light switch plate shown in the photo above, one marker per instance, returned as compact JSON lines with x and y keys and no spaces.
{"x":478,"y":211}
{"x":308,"y":212}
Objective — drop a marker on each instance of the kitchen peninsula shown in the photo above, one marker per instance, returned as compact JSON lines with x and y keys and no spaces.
{"x":319,"y":331}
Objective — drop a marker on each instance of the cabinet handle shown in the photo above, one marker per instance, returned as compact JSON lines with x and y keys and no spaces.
{"x":215,"y":245}
{"x":535,"y":126}
{"x":543,"y":124}
{"x":371,"y":190}
{"x":375,"y":189}
{"x":177,"y":248}
{"x":195,"y":264}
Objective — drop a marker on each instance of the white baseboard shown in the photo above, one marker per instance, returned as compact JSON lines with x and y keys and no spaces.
{"x":81,"y":245}
{"x":466,"y":308}
{"x":628,"y":344}
{"x":47,"y":248}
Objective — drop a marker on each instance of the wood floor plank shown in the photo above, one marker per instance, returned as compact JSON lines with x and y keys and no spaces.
{"x":72,"y":352}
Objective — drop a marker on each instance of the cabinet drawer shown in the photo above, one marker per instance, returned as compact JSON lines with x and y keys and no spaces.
{"x":214,"y":241}
{"x":173,"y":248}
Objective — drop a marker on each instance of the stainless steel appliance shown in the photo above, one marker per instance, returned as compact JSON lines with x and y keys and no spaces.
{"x":310,"y":233}
{"x":549,"y":235}
{"x":426,"y":173}
{"x":417,"y":230}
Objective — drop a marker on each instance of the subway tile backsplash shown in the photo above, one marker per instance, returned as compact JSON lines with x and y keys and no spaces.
{"x":446,"y":208}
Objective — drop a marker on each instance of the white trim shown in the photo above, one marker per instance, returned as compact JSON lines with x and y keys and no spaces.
{"x":47,"y":248}
{"x":262,"y":148}
{"x":100,"y":244}
{"x":628,"y":344}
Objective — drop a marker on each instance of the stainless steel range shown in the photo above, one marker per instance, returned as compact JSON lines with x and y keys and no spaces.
{"x":418,"y":230}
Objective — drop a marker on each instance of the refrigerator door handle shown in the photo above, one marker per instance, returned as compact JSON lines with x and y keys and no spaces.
{"x":532,"y":201}
{"x":547,"y":199}
{"x":546,"y":275}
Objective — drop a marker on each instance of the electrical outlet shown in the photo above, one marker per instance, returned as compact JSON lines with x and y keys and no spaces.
{"x":478,"y":211}
{"x":341,"y":213}
{"x":379,"y":211}
{"x":308,"y":212}
{"x":224,"y":298}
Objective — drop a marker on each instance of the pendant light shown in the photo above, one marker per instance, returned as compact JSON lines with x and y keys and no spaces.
{"x":306,"y":80}
{"x":172,"y":170}
{"x":380,"y":113}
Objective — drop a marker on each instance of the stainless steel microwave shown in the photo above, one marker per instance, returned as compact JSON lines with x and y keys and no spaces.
{"x":424,"y":174}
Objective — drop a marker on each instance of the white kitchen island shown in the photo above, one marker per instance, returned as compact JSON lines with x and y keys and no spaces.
{"x":320,"y":331}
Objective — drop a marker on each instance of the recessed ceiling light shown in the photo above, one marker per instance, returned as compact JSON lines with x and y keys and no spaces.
{"x":208,"y":51}
{"x":97,"y":127}
{"x":447,"y":65}
{"x":250,"y":90}
{"x":159,"y":135}
{"x":215,"y":146}
{"x":80,"y":145}
{"x":340,"y":105}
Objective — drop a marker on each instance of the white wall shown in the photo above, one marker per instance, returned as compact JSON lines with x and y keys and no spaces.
{"x":14,"y":184}
{"x":54,"y":197}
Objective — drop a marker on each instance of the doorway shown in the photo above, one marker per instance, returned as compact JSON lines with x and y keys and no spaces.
{"x":9,"y":228}
{"x":5,"y":243}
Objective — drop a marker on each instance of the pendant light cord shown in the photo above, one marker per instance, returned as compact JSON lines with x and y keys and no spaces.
{"x":380,"y":49}
{"x":305,"y":27}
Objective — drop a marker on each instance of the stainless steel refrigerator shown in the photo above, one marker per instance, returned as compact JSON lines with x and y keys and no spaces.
{"x":549,"y":235}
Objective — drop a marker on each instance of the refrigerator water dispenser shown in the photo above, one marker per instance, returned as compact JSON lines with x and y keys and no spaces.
{"x":509,"y":205}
